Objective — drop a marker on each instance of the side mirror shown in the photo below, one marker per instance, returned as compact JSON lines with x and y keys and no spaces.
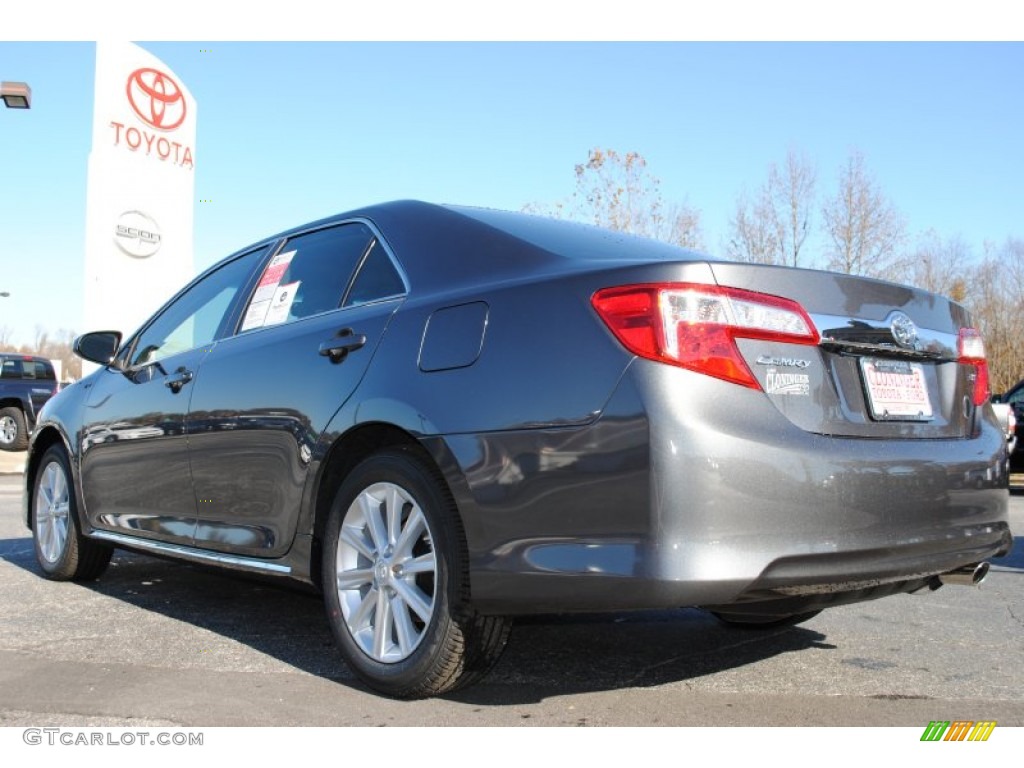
{"x":98,"y":346}
{"x":996,"y":398}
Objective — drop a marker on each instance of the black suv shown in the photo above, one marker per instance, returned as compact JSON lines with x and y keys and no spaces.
{"x":26,"y":382}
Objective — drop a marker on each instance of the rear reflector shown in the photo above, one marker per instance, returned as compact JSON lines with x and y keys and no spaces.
{"x":696,"y":326}
{"x":971,"y":351}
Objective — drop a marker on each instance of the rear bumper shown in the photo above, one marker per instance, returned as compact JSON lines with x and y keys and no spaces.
{"x":661,"y":503}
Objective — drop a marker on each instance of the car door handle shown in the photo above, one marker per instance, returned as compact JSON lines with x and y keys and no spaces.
{"x":178,"y":379}
{"x":338,"y":348}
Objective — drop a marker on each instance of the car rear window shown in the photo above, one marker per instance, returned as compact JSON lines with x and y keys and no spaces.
{"x":13,"y":368}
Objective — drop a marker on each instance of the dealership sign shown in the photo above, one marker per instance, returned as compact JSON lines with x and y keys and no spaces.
{"x":141,"y":188}
{"x":160,"y":104}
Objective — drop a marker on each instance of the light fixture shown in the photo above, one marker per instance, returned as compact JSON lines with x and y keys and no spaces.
{"x":16,"y":95}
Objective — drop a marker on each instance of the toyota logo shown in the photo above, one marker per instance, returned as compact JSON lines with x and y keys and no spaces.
{"x":156,"y":98}
{"x":903,"y":330}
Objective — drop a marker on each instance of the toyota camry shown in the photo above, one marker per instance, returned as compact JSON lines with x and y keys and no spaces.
{"x":442,"y":417}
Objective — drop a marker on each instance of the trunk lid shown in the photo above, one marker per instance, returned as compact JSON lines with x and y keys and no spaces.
{"x":887,"y":363}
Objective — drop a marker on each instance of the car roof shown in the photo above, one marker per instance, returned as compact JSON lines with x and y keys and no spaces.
{"x":444,"y":245}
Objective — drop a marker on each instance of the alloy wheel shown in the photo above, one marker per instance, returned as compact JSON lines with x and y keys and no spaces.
{"x":52,"y":507}
{"x":385,"y":572}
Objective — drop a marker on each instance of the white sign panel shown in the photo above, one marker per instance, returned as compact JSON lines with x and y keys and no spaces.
{"x":141,"y":188}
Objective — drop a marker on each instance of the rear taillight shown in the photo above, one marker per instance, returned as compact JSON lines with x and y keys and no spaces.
{"x":971,"y":351}
{"x":696,"y":326}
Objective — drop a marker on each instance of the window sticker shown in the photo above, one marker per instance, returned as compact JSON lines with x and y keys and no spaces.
{"x":266,"y":291}
{"x":282,"y":302}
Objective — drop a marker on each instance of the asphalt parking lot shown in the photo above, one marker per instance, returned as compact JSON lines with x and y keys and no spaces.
{"x":160,"y":643}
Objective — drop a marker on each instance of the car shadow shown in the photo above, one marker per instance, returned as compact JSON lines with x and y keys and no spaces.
{"x":545,"y":655}
{"x":550,"y":656}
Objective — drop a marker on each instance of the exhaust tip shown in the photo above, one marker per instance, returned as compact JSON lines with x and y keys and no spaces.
{"x":968,"y":576}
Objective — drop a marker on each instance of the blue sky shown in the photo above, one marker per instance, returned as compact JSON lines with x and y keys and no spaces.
{"x":288,"y":132}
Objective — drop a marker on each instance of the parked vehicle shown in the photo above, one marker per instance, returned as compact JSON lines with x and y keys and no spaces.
{"x":443,"y":417}
{"x":1011,"y":407}
{"x":1007,"y":418}
{"x":26,"y":383}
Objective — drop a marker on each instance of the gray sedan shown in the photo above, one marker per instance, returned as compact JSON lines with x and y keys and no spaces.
{"x":443,"y":417}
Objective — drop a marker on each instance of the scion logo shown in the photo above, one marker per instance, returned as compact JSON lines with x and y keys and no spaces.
{"x":156,"y":98}
{"x":137,"y":234}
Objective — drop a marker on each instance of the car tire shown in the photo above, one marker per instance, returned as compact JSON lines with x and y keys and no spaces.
{"x":13,"y":430}
{"x":61,"y":551}
{"x":395,"y":581}
{"x":757,"y":621}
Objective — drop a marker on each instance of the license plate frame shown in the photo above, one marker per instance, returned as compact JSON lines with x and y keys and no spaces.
{"x":896,"y":390}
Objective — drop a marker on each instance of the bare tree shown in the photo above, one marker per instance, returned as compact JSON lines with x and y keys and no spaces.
{"x":865,"y":229}
{"x":616,"y":191}
{"x":682,"y":227}
{"x":773,"y":228}
{"x":42,"y":340}
{"x":995,"y":298}
{"x":753,"y":236}
{"x":942,"y":266}
{"x":792,"y":193}
{"x":57,"y":346}
{"x":6,"y":333}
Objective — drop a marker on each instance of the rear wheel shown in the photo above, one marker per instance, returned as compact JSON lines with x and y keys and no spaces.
{"x":62,"y":552}
{"x":13,"y":430}
{"x":396,"y":582}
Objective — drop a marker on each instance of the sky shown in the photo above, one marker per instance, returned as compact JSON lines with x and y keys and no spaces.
{"x":289,"y":132}
{"x":293,"y":131}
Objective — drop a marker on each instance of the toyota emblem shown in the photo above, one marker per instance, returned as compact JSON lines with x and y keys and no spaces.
{"x":903,"y":330}
{"x":156,"y":98}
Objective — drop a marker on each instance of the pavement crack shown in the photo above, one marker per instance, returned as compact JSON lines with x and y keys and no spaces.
{"x":1014,"y":616}
{"x":635,"y":680}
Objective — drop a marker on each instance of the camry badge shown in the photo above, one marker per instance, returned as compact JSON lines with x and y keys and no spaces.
{"x":783,"y":362}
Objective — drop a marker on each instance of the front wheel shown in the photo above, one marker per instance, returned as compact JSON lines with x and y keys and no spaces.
{"x":396,"y":581}
{"x":61,"y":551}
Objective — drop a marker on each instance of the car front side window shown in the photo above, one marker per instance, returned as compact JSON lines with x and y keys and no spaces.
{"x":196,"y":316}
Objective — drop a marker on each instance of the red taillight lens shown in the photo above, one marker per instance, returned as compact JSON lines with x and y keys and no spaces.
{"x":696,"y":326}
{"x":971,"y":351}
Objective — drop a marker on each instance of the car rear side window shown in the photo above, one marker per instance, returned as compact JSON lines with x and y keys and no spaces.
{"x":378,"y":278}
{"x":308,"y":275}
{"x":39,"y":369}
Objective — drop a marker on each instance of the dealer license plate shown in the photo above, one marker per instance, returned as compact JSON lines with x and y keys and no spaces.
{"x":896,"y":389}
